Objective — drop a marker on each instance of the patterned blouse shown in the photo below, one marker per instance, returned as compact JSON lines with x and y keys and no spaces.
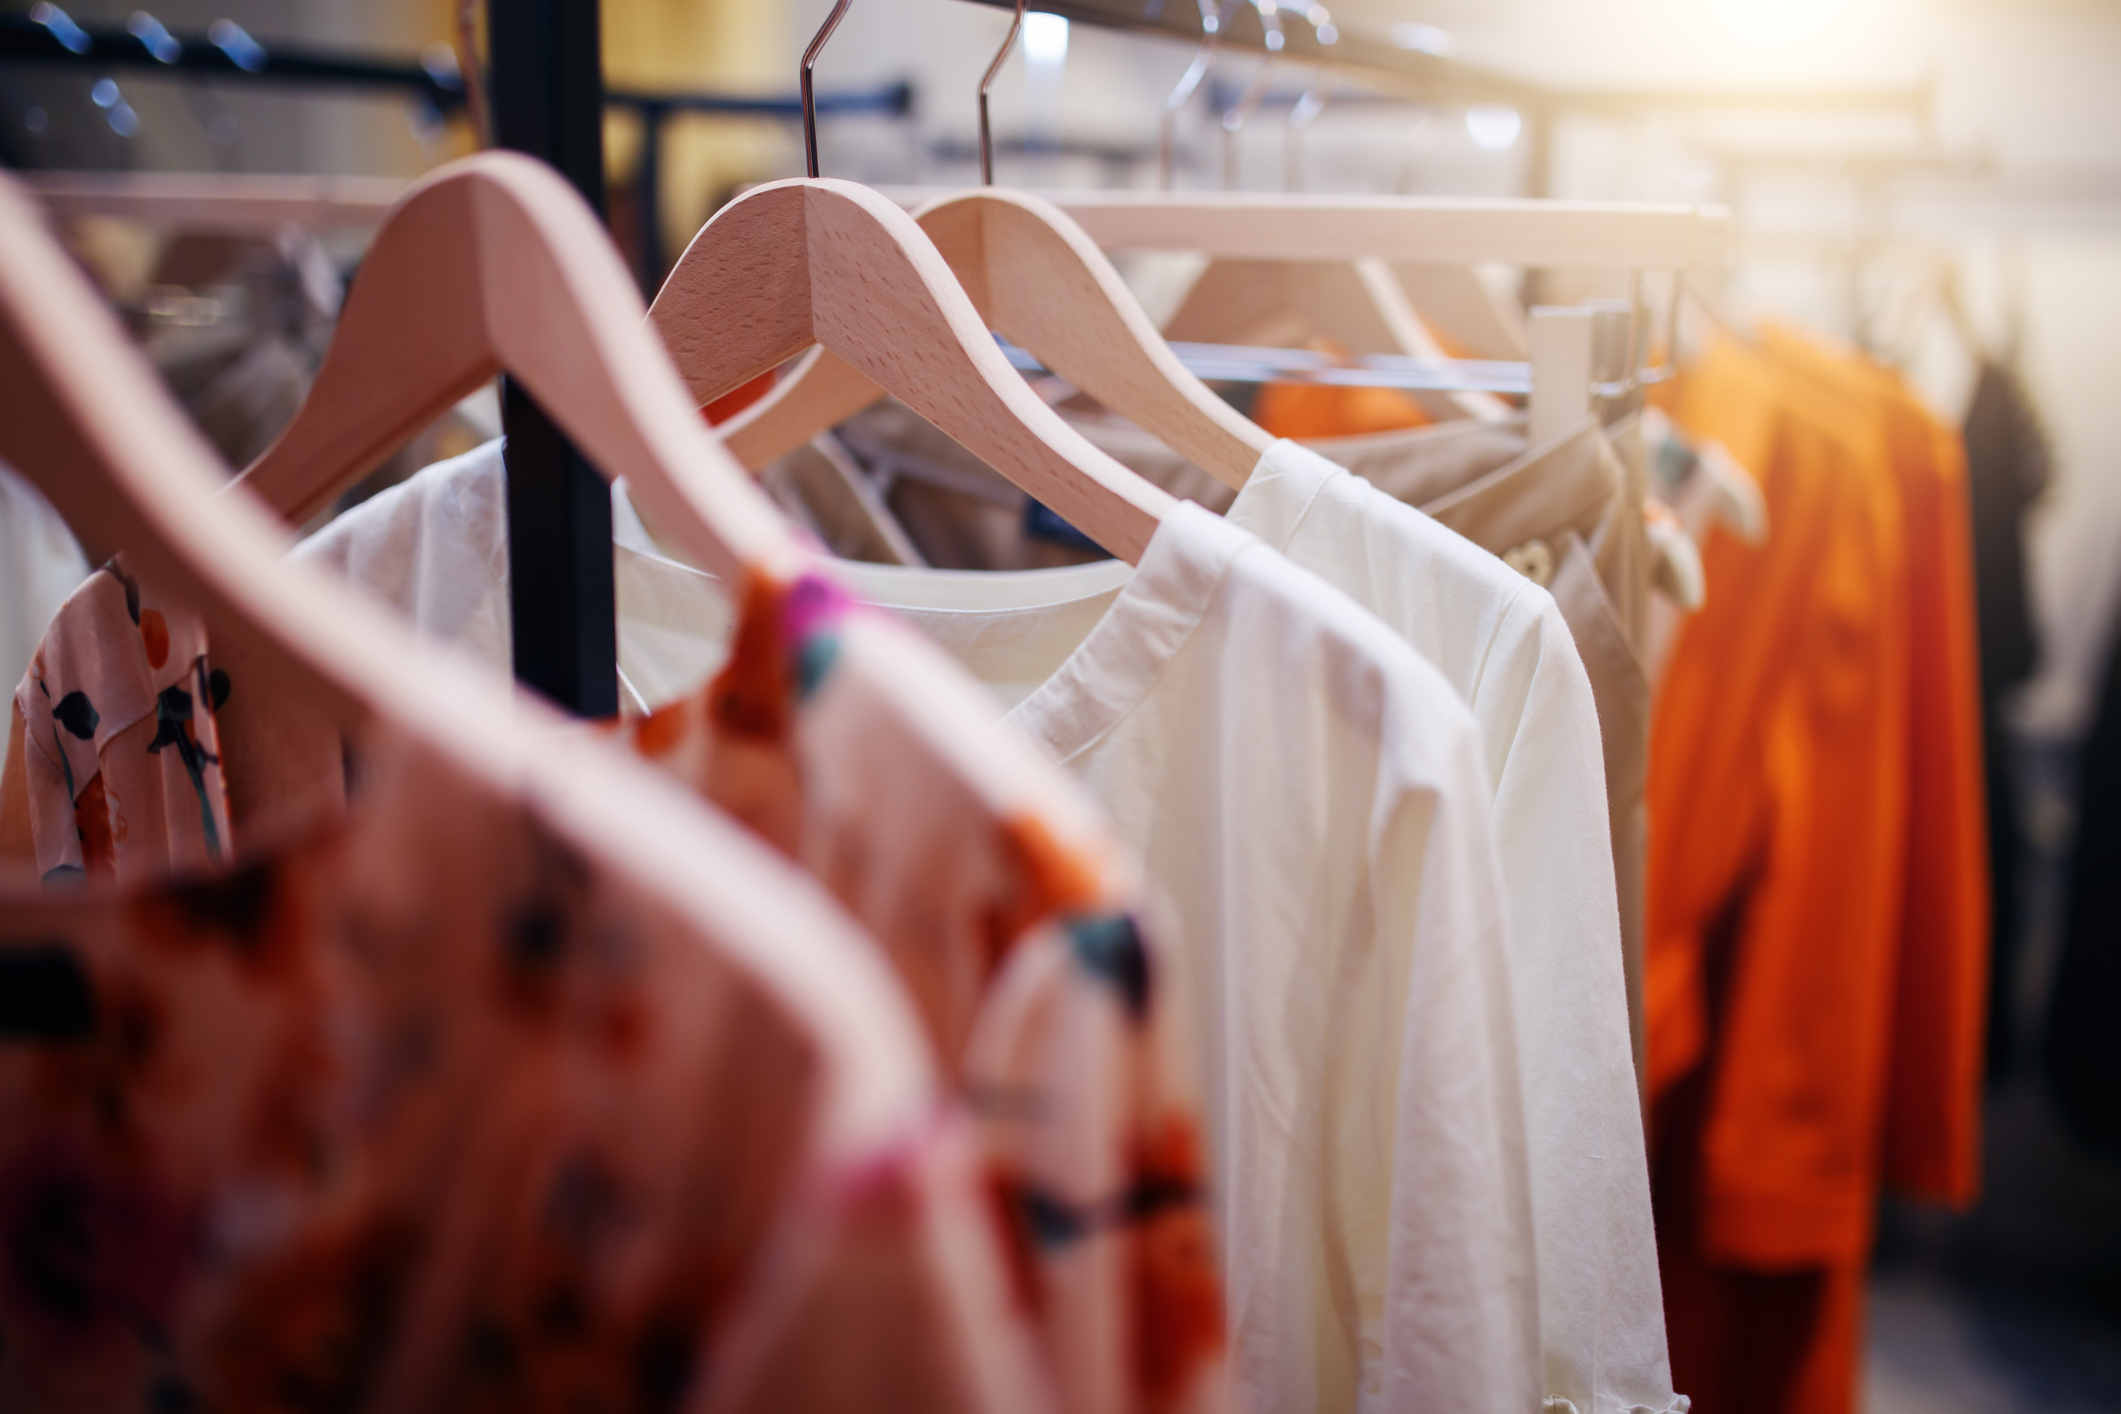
{"x":1008,"y":921}
{"x":449,"y":1106}
{"x":122,"y":760}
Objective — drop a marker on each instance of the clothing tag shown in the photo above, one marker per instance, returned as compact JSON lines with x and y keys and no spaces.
{"x":1041,"y":523}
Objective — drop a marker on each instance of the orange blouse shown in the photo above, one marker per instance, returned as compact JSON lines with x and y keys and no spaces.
{"x":1779,"y":830}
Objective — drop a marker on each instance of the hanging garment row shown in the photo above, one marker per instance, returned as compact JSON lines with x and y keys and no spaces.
{"x":1204,"y":971}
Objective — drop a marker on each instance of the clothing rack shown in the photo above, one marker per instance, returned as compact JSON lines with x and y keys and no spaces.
{"x":226,"y":53}
{"x":546,"y":87}
{"x":1419,"y":61}
{"x":547,"y":100}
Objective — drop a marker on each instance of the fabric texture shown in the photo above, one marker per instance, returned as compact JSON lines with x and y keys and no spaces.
{"x":1341,"y":934}
{"x":1503,"y":645}
{"x":1566,"y":515}
{"x":1346,"y":929}
{"x":1008,"y":920}
{"x":1419,"y":1292}
{"x":40,"y":564}
{"x":1818,"y":899}
{"x":1077,"y":1066}
{"x":468,"y":1102}
{"x":114,"y":760}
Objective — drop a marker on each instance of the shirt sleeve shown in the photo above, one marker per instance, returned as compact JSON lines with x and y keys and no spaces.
{"x":1459,"y":1324}
{"x":1601,"y":1307}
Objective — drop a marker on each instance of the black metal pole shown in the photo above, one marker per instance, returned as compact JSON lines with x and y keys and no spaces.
{"x":547,"y":93}
{"x":648,"y":188}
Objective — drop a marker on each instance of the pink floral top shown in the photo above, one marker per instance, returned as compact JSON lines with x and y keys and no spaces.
{"x":1010,"y":922}
{"x":446,"y":1107}
{"x":119,"y":748}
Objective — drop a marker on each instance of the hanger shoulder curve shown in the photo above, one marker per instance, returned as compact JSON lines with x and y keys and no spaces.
{"x":818,"y":393}
{"x":1040,"y":281}
{"x":828,"y":262}
{"x":127,"y":470}
{"x":493,"y":264}
{"x":104,"y":441}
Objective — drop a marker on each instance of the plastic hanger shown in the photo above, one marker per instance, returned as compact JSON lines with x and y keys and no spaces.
{"x":492,"y":263}
{"x":1037,"y":280}
{"x":818,"y":261}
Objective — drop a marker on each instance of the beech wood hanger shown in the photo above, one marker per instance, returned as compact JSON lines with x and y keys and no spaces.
{"x":828,"y":262}
{"x":1331,"y":257}
{"x":816,"y":261}
{"x":1040,"y":283}
{"x":493,"y":263}
{"x":1421,"y":230}
{"x":1037,"y":280}
{"x":1357,"y":304}
{"x":96,"y":432}
{"x":93,"y":428}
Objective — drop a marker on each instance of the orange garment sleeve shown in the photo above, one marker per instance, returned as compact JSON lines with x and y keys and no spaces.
{"x":1933,"y":1110}
{"x":1709,"y":808}
{"x":1778,"y":809}
{"x":1933,"y":1118}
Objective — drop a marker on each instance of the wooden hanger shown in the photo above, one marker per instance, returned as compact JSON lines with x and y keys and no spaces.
{"x":1037,"y":280}
{"x":820,"y":261}
{"x":792,"y":264}
{"x":492,"y":263}
{"x":219,"y":202}
{"x":93,"y":428}
{"x":1421,"y":230}
{"x":1356,"y":304}
{"x":1336,"y":254}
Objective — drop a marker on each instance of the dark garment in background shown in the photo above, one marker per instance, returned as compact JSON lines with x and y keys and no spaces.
{"x":2007,"y":466}
{"x":2082,"y":1055}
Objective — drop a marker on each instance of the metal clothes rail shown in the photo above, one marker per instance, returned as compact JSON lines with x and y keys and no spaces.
{"x":1418,"y":61}
{"x":226,"y":53}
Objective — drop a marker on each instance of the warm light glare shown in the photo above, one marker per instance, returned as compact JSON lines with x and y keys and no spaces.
{"x":1423,"y":39}
{"x":1493,"y":126}
{"x":1798,"y":39}
{"x":1045,"y":38}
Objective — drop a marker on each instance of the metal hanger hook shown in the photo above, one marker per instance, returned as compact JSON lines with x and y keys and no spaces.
{"x":1211,"y":27}
{"x":817,"y":45}
{"x":1301,"y":117}
{"x":986,"y":130}
{"x":1236,"y":117}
